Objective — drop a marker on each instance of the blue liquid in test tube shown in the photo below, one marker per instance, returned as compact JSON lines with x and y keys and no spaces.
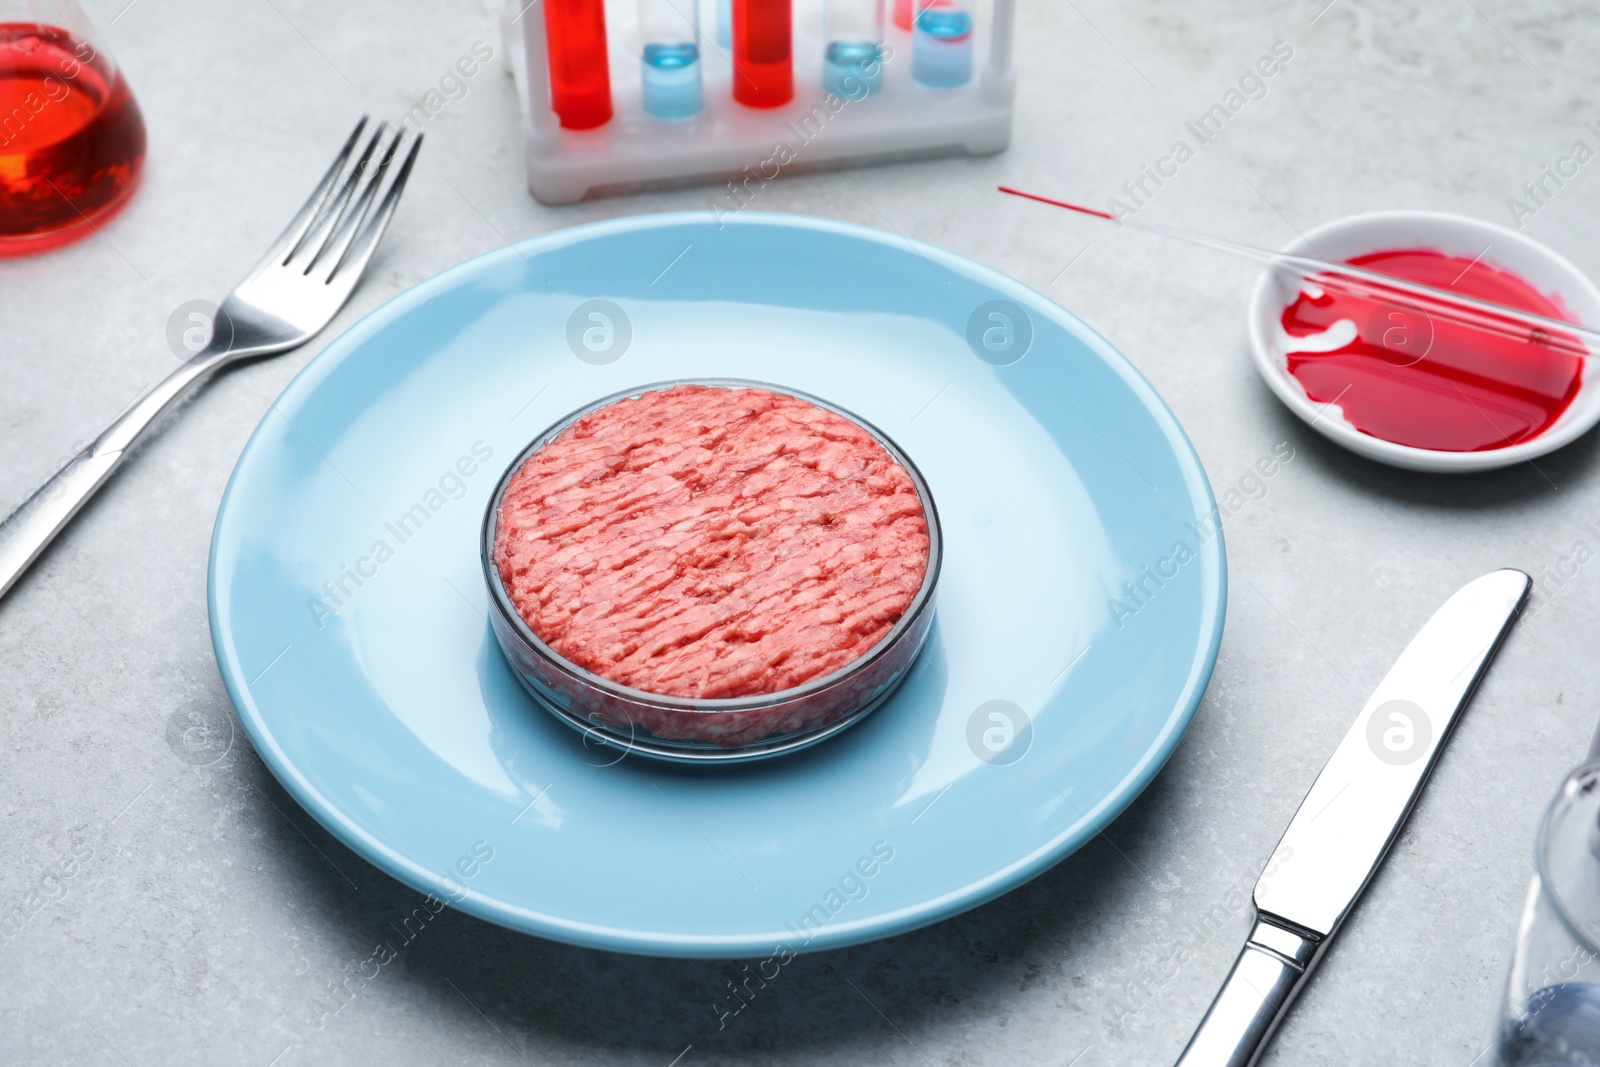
{"x":941,"y":46}
{"x":853,"y":69}
{"x":669,"y":71}
{"x":852,"y":63}
{"x":671,"y":80}
{"x":725,"y":23}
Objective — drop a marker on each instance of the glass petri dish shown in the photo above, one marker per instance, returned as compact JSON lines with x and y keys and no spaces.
{"x":724,"y":730}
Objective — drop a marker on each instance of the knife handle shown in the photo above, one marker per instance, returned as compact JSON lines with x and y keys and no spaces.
{"x":1264,"y":980}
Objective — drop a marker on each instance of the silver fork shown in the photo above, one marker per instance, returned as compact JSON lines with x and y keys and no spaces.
{"x":285,"y":300}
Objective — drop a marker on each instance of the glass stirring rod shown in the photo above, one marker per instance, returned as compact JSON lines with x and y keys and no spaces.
{"x":1455,"y":307}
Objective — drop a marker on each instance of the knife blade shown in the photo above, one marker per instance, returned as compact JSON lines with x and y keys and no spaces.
{"x":1352,"y":815}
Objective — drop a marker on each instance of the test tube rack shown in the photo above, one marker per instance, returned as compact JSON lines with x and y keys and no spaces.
{"x":749,"y":147}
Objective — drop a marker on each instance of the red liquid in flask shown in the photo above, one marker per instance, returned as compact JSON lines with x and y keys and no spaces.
{"x":580,"y":79}
{"x":71,"y":138}
{"x":763,"y":53}
{"x":1426,"y":381}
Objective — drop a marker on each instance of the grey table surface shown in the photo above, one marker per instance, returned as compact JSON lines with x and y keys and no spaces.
{"x":204,"y":911}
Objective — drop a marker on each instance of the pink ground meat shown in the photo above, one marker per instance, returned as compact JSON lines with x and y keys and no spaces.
{"x":708,"y":542}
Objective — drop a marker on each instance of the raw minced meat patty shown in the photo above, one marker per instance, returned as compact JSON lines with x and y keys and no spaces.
{"x":710,"y":542}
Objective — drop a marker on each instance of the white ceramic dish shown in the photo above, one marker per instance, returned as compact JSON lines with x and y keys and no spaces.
{"x":1507,"y":250}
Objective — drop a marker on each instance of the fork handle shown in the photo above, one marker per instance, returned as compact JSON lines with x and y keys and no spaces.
{"x":27,"y":531}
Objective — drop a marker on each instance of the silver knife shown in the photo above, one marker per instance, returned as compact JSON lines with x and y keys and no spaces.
{"x":1352,"y":815}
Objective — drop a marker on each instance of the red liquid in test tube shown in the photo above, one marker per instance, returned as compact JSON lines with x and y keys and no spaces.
{"x":580,"y":79}
{"x":906,"y":11}
{"x":763,"y":53}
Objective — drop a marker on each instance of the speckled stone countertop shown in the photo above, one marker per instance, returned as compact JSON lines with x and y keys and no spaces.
{"x":175,"y":912}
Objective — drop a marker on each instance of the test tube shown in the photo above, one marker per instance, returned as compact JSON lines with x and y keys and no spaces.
{"x":763,"y":56}
{"x":580,"y":80}
{"x":941,"y":45}
{"x":905,"y":12}
{"x":725,"y":23}
{"x":670,"y":65}
{"x":852,"y":64}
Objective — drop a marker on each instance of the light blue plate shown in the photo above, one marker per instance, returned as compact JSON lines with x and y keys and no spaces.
{"x":1083,"y":588}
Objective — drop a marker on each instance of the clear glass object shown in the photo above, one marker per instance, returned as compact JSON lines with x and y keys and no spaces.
{"x":670,"y":64}
{"x":687,"y":730}
{"x":941,"y":45}
{"x":72,"y":139}
{"x":1549,"y":1010}
{"x":852,"y":63}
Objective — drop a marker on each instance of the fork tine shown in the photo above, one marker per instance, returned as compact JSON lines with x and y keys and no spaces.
{"x":290,"y":237}
{"x":333,"y":250}
{"x":333,"y":209}
{"x":355,"y":259}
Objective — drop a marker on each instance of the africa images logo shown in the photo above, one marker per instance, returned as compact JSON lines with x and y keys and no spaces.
{"x":1399,"y":732}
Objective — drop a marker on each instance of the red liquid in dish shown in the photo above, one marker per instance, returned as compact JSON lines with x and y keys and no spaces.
{"x":763,"y":56}
{"x":1427,"y":382}
{"x":711,"y":543}
{"x":71,"y":138}
{"x":580,"y":79}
